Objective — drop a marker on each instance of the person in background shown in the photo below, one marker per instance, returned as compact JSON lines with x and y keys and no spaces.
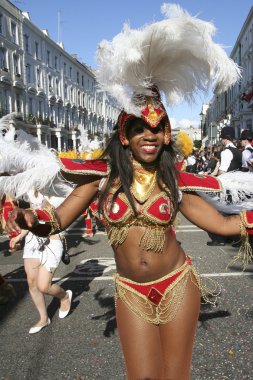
{"x":246,"y":140}
{"x":231,"y":159}
{"x":7,"y":205}
{"x":88,"y":221}
{"x":41,"y":257}
{"x":213,"y":163}
{"x":191,"y":163}
{"x":215,"y":169}
{"x":231,"y":156}
{"x":201,"y":162}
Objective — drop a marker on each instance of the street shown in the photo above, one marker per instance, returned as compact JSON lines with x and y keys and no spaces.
{"x":85,"y":345}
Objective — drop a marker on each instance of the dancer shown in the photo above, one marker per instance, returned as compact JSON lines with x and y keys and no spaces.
{"x":7,"y":204}
{"x":88,"y":230}
{"x":157,"y":288}
{"x":41,"y":257}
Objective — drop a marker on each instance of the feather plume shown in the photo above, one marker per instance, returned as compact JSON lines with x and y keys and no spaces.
{"x":28,"y":164}
{"x":184,"y":143}
{"x":236,"y":195}
{"x":176,"y":54}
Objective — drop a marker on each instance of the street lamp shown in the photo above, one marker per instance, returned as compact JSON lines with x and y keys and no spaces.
{"x":202,"y":124}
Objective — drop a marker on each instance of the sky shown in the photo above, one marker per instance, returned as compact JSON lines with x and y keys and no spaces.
{"x":82,"y":24}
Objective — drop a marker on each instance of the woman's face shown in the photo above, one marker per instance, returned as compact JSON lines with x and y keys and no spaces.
{"x":145,"y":142}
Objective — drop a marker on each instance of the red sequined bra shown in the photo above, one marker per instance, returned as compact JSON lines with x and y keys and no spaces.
{"x":155,"y":215}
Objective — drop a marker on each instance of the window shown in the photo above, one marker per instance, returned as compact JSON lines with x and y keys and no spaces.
{"x":57,"y":86}
{"x":14,"y":32}
{"x":56,"y":62}
{"x":82,"y":80}
{"x":36,"y":50}
{"x":50,"y":87}
{"x":26,"y":43}
{"x":6,"y":102}
{"x":64,"y":68}
{"x":70,"y":72}
{"x":65,"y":91}
{"x":71,"y":95}
{"x":1,"y":24}
{"x":40,"y":108}
{"x":3,"y":61}
{"x":18,"y":103}
{"x":48,"y":57}
{"x":58,"y":114}
{"x":77,"y":77}
{"x":16,"y":64}
{"x":28,"y":73}
{"x":38,"y":73}
{"x":30,"y":106}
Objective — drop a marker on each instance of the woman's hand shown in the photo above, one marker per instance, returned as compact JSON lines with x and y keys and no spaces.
{"x":20,"y":219}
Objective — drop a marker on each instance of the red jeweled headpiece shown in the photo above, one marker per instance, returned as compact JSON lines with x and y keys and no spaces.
{"x":152,"y":112}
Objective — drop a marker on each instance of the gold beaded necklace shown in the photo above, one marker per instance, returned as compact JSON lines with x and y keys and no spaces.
{"x":144,"y":181}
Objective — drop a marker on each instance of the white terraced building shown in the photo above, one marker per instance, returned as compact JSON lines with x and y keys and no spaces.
{"x":235,"y":106}
{"x":56,"y":93}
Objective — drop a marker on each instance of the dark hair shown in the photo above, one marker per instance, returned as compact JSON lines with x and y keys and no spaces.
{"x":216,"y":154}
{"x":119,"y":157}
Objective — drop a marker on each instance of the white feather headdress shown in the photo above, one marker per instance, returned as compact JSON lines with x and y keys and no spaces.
{"x":177,"y":55}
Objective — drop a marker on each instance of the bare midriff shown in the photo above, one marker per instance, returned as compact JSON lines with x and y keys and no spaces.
{"x":143,"y":266}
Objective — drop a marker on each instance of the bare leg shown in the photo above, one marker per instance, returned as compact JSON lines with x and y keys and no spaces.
{"x":177,"y":336}
{"x":32,"y":268}
{"x":159,"y":352}
{"x":44,"y":283}
{"x":141,"y":345}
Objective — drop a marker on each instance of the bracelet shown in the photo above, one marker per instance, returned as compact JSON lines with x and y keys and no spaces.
{"x":34,"y":214}
{"x":48,"y":216}
{"x":245,"y":252}
{"x":247,"y":218}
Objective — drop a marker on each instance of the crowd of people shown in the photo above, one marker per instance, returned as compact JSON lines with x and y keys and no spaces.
{"x":211,"y":160}
{"x":228,"y":156}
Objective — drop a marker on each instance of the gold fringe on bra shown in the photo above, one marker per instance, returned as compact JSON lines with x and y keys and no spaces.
{"x":117,"y":235}
{"x":153,"y":238}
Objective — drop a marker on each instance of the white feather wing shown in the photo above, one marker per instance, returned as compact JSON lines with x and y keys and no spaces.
{"x":28,"y":164}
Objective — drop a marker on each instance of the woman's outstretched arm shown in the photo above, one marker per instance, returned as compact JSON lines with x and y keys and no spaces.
{"x":206,"y":217}
{"x":78,"y":201}
{"x":62,"y":216}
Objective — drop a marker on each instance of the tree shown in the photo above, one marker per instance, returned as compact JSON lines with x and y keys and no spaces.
{"x":197,"y":144}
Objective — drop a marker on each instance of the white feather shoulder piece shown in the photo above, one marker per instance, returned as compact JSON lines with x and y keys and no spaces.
{"x":236,"y":195}
{"x":28,"y":164}
{"x":177,"y":54}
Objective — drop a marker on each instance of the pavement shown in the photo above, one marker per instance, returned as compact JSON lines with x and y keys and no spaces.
{"x":85,"y":345}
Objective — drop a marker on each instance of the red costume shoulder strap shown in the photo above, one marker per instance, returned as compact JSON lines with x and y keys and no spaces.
{"x":85,"y":167}
{"x":198,"y":182}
